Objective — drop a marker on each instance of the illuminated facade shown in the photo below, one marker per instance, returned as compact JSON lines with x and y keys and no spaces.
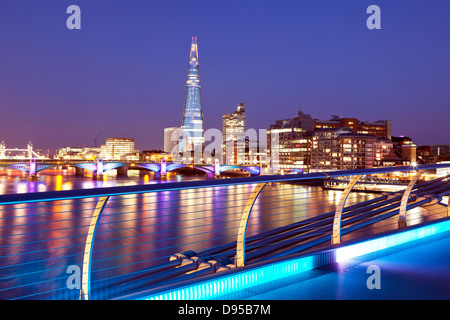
{"x":342,"y":149}
{"x":292,"y":143}
{"x":119,"y":149}
{"x":78,"y":153}
{"x":233,"y":131}
{"x":192,"y":126}
{"x":2,"y":150}
{"x":380,"y":128}
{"x":171,"y":136}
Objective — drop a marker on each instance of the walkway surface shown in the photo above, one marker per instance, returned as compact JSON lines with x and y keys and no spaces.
{"x":418,"y":270}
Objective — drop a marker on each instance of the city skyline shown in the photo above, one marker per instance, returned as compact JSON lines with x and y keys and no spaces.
{"x":125,"y":70}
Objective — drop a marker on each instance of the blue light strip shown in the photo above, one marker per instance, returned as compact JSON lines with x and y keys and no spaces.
{"x":378,"y":244}
{"x":214,"y":288}
{"x":239,"y":281}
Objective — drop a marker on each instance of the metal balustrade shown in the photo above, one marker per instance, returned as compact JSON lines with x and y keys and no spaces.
{"x":129,"y":239}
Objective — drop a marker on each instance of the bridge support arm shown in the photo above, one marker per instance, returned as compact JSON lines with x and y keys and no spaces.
{"x":448,"y":206}
{"x":336,"y":236}
{"x":240,"y":248}
{"x":405,"y":198}
{"x":89,"y":246}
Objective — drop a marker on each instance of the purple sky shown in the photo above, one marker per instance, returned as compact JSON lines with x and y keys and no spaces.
{"x":125,"y":70}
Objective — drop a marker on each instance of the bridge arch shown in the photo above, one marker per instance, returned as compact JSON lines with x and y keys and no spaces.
{"x":155,"y":167}
{"x":25,"y":167}
{"x":200,"y":169}
{"x":253,"y":170}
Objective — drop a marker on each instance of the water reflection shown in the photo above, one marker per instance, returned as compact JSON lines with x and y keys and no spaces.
{"x":136,"y":232}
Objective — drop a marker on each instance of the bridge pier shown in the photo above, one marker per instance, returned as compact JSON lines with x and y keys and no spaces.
{"x":79,"y":171}
{"x":143,"y":172}
{"x":211,"y":175}
{"x":98,"y":173}
{"x":163,"y":167}
{"x":122,"y":171}
{"x":97,"y":176}
{"x":32,"y":173}
{"x":216,"y":168}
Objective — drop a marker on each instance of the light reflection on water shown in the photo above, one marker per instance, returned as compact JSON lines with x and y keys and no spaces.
{"x":39,"y":241}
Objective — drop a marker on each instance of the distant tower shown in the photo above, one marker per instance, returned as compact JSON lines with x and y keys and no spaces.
{"x":2,"y":150}
{"x":192,"y":125}
{"x":30,"y":150}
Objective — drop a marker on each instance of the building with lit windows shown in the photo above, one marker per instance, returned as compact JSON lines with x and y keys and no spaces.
{"x":119,"y":149}
{"x":233,"y":135}
{"x":78,"y":153}
{"x":289,"y":143}
{"x":192,"y":126}
{"x":171,"y":139}
{"x":343,"y":149}
{"x":380,"y":128}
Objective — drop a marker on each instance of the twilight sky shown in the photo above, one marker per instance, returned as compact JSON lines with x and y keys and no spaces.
{"x":125,"y":70}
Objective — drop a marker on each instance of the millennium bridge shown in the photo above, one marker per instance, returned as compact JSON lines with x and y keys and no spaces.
{"x":70,"y":244}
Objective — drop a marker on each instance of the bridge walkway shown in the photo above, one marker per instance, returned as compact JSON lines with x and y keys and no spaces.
{"x":416,"y":270}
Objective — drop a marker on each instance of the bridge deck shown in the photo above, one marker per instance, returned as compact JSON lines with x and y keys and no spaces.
{"x":417,"y":270}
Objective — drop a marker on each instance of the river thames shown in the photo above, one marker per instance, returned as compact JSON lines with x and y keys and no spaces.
{"x":39,"y":241}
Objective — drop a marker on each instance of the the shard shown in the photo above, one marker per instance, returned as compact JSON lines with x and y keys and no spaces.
{"x":192,"y":126}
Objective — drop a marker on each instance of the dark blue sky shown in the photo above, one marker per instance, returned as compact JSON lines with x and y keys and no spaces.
{"x":125,"y":70}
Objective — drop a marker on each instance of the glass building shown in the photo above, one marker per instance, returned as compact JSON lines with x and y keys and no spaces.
{"x":192,"y":126}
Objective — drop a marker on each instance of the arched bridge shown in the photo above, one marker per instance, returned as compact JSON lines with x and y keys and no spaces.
{"x":100,"y":167}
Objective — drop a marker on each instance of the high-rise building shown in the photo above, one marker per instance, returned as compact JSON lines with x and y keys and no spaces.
{"x":192,"y":126}
{"x":2,"y":150}
{"x":233,"y":133}
{"x":119,"y":149}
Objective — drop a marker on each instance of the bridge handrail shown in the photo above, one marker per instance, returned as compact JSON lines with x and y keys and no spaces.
{"x":139,"y":189}
{"x":315,"y":224}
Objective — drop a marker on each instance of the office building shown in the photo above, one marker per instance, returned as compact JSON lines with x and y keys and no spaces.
{"x":343,"y":149}
{"x":289,"y":143}
{"x":233,"y":134}
{"x":440,"y":149}
{"x":380,"y":128}
{"x":119,"y":149}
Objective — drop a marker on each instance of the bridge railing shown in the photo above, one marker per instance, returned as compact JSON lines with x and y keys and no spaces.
{"x":105,"y":243}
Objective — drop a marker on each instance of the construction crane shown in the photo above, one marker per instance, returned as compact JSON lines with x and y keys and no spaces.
{"x":96,"y":138}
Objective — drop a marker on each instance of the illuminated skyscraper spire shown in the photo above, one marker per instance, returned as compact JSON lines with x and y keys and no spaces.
{"x":193,"y":115}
